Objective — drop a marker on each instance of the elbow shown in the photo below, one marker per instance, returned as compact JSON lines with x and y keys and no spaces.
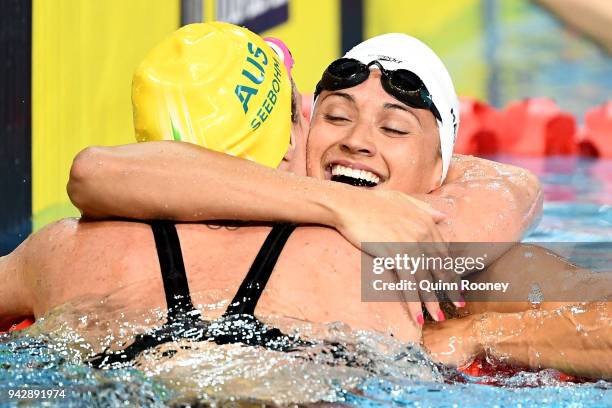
{"x":532,"y":183}
{"x":528,"y":197}
{"x":83,"y":175}
{"x":534,"y":195}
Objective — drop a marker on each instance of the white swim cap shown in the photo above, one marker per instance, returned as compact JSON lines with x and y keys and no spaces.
{"x":401,"y":51}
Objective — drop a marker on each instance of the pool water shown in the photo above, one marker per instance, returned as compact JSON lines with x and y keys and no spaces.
{"x":578,"y":196}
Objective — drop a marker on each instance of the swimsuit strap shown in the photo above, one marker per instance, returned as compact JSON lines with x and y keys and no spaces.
{"x":237,"y":325}
{"x":253,"y":285}
{"x":172,"y":267}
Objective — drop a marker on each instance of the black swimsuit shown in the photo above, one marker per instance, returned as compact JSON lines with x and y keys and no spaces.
{"x":237,"y":325}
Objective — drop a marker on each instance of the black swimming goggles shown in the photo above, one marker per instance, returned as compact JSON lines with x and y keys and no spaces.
{"x":402,"y":84}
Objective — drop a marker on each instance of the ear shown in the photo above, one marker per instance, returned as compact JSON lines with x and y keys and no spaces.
{"x":436,"y":178}
{"x":291,"y":149}
{"x":306,"y":105}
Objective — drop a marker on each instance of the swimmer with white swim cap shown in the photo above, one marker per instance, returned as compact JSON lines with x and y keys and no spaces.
{"x":411,"y":72}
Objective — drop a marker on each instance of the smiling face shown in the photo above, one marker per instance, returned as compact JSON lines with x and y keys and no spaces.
{"x":365,"y":137}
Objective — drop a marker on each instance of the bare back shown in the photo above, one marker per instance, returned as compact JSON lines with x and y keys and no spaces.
{"x":316,"y":279}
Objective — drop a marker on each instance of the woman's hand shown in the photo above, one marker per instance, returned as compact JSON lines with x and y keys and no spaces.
{"x":388,"y":216}
{"x":399,"y":224}
{"x":454,"y":342}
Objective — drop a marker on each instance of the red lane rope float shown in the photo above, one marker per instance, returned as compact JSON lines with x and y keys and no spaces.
{"x":537,"y":127}
{"x":482,"y":368}
{"x":595,"y":138}
{"x":533,"y":127}
{"x":479,"y":132}
{"x":25,"y":323}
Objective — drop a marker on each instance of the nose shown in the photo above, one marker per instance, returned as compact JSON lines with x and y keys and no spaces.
{"x":359,"y":141}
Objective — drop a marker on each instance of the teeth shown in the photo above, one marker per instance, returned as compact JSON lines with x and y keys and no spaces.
{"x":338,"y":170}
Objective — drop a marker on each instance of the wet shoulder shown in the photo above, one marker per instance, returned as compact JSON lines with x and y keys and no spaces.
{"x":73,"y":241}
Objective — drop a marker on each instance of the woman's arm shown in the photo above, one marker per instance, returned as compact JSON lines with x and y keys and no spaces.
{"x":486,"y":201}
{"x":574,"y":339}
{"x":185,"y":182}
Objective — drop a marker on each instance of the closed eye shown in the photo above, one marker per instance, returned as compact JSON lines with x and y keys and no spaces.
{"x":394,"y":131}
{"x":333,"y":118}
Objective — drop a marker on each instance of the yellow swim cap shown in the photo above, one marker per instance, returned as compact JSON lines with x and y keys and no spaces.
{"x":217,"y":85}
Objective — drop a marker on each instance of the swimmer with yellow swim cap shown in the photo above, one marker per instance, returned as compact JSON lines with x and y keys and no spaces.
{"x":219,"y":86}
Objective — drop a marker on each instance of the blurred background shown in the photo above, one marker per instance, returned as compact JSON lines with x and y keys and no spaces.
{"x":66,"y":68}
